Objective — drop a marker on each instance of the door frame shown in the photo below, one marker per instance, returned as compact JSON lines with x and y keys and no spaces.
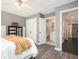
{"x":61,"y":12}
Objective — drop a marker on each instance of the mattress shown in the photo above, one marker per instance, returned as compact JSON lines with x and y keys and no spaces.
{"x":8,"y":50}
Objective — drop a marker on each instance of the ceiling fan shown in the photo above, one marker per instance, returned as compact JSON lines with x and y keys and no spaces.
{"x":22,"y":3}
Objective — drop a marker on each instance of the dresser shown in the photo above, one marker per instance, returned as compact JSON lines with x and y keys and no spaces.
{"x":15,"y":30}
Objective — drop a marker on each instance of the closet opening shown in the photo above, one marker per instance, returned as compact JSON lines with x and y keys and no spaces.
{"x":70,"y":31}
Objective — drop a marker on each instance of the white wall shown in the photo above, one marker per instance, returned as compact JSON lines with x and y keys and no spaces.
{"x":70,"y":30}
{"x":3,"y":30}
{"x":7,"y":19}
{"x":64,"y":30}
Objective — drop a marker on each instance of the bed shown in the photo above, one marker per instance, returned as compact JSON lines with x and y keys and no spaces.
{"x":8,"y":50}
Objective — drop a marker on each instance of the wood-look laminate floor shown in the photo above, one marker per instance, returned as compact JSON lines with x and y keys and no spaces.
{"x":48,"y":52}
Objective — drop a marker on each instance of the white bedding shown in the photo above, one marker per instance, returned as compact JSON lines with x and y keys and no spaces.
{"x":8,"y":50}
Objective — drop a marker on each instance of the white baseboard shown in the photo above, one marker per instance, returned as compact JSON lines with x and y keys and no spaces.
{"x":58,"y":49}
{"x":40,"y":43}
{"x":50,"y":44}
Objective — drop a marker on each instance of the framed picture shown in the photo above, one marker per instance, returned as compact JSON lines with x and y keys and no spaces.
{"x":52,"y":26}
{"x":15,"y":24}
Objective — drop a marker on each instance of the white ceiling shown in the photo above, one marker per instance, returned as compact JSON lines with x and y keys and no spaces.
{"x":35,"y":6}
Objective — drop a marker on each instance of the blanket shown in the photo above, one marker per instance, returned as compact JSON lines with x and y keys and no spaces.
{"x":22,"y":44}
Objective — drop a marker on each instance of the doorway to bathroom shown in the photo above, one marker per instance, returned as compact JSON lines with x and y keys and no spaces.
{"x":50,"y":30}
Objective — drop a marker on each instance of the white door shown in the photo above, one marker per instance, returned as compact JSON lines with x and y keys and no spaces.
{"x":42,"y":31}
{"x":27,"y":28}
{"x":31,"y":29}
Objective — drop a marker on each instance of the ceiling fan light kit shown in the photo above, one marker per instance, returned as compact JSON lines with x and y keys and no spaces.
{"x":19,"y":3}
